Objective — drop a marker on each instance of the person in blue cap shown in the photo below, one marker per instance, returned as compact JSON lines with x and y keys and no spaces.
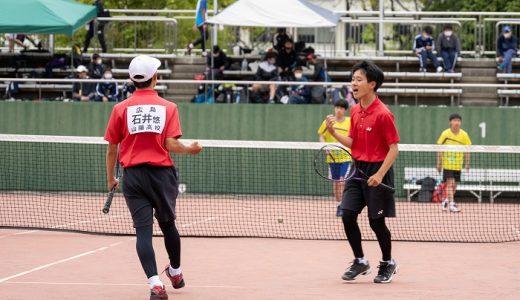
{"x":506,"y":50}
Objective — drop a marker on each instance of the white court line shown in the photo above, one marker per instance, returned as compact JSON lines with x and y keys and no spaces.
{"x":59,"y":226}
{"x":60,"y":261}
{"x":119,"y":284}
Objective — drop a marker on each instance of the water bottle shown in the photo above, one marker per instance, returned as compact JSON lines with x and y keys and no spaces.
{"x":414,"y":180}
{"x":244,"y":65}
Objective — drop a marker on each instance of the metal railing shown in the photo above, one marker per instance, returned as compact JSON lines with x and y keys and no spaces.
{"x":135,"y":33}
{"x":448,"y":89}
{"x":476,"y":29}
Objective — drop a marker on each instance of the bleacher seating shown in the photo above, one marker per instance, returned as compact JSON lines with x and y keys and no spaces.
{"x":64,"y":89}
{"x":475,"y":181}
{"x":506,"y":93}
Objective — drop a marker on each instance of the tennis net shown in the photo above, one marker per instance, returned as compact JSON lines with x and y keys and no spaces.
{"x":256,"y":189}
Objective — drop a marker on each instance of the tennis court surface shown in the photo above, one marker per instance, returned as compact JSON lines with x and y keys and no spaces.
{"x":282,"y":239}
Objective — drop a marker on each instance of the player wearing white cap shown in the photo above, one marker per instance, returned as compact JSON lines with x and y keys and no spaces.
{"x":146,"y":128}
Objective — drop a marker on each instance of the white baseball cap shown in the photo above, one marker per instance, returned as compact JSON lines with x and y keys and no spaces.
{"x":81,"y":68}
{"x":145,"y":66}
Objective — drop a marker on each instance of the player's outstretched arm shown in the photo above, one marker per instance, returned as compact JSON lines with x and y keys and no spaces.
{"x":175,"y":146}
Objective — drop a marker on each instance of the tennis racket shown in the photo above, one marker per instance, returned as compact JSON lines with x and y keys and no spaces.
{"x":108,"y":202}
{"x":452,"y":140}
{"x":332,"y":153}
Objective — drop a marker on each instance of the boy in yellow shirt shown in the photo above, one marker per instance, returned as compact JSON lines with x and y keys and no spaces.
{"x":451,"y":163}
{"x":339,"y":165}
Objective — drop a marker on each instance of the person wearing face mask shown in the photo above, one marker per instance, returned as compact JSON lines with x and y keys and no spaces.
{"x":423,"y":47}
{"x":96,"y":68}
{"x":300,"y":94}
{"x":286,"y":61}
{"x":448,"y":45}
{"x":267,"y":71}
{"x":506,"y":50}
{"x":107,"y":91}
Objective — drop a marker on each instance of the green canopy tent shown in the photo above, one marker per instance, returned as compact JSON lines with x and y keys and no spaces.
{"x":44,"y":16}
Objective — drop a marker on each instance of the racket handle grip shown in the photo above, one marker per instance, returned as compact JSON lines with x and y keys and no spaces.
{"x":108,"y":202}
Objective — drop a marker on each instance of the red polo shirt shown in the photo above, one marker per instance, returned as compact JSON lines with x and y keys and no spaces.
{"x":141,"y":124}
{"x":372,"y":131}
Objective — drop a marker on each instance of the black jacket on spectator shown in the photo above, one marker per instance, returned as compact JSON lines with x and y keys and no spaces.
{"x":320,"y":74}
{"x":279,"y":40}
{"x":218,"y":61}
{"x":266,"y":72}
{"x":86,"y":88}
{"x":95,"y":71}
{"x":286,"y":60}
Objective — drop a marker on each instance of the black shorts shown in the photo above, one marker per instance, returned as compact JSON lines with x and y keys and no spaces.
{"x":147,"y":188}
{"x":451,"y":174}
{"x":379,"y":201}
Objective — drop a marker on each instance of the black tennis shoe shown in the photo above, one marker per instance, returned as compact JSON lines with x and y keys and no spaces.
{"x":386,"y":272}
{"x":357,"y":268}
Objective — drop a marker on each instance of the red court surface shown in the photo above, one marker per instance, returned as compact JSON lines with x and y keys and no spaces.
{"x":43,"y":265}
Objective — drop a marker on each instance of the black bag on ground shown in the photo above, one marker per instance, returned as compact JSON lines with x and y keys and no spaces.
{"x":427,"y":188}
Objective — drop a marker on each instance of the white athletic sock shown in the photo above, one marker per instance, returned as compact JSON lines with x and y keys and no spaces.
{"x":391,"y":262}
{"x":362,"y":260}
{"x":174,"y":272}
{"x":155,"y":281}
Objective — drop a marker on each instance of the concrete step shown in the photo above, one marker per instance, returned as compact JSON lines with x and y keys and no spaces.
{"x":188,"y":86}
{"x":179,"y":98}
{"x":189,"y":60}
{"x":480,"y":101}
{"x":186,"y":76}
{"x":471,"y":93}
{"x":188,"y":68}
{"x":479,"y":79}
{"x":478,"y":63}
{"x":192,"y":91}
{"x":491,"y":72}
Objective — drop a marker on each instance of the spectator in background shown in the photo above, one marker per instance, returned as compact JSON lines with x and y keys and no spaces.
{"x":267,"y":71}
{"x":448,"y":44}
{"x":101,"y":13}
{"x":96,"y":68}
{"x":423,"y":47}
{"x":62,"y":60}
{"x":19,"y":39}
{"x":107,"y":91}
{"x":127,"y":90}
{"x":83,"y":91}
{"x":280,"y":38}
{"x":300,"y":94}
{"x":320,"y":75}
{"x":220,"y":63}
{"x":200,"y":24}
{"x":286,"y":60}
{"x":506,"y":50}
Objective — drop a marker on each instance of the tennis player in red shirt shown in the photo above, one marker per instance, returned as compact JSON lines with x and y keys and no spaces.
{"x":147,"y":128}
{"x":373,"y":140}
